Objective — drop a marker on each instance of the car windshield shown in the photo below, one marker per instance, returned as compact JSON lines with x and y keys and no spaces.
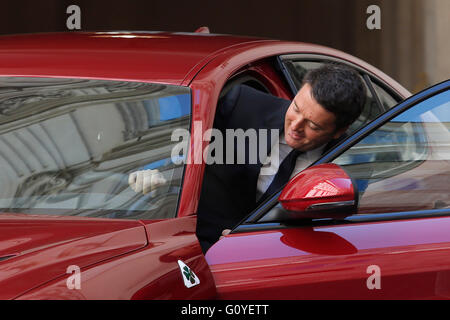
{"x":67,"y":146}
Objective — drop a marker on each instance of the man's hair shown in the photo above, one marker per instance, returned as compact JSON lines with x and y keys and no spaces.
{"x":339,"y":89}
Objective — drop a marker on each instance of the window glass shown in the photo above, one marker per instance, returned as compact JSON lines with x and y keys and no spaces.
{"x":385,"y":98}
{"x":67,"y":146}
{"x":405,"y":164}
{"x":370,"y":111}
{"x":297,"y":69}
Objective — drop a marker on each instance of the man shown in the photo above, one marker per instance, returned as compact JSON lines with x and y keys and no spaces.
{"x":330,"y":99}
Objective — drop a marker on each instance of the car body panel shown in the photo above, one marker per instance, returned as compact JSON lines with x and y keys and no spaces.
{"x":38,"y":249}
{"x":146,"y":56}
{"x":151,"y":272}
{"x":238,"y":56}
{"x":332,"y":262}
{"x":137,"y":56}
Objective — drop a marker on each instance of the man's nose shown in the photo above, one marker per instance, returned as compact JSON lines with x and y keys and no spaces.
{"x":298,"y":123}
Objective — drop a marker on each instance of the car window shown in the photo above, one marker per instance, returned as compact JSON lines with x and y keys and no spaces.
{"x":405,"y":164}
{"x":386,"y":99}
{"x":297,"y":70}
{"x":67,"y":146}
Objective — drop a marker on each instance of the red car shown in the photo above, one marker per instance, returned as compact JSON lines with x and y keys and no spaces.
{"x":79,"y":112}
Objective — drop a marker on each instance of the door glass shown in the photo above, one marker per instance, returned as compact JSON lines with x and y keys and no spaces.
{"x":405,"y":164}
{"x":298,"y":68}
{"x":386,"y":99}
{"x":67,"y":146}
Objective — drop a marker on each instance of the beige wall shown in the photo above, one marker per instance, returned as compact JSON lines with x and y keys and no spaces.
{"x":413,"y":44}
{"x":437,"y":40}
{"x":415,"y":41}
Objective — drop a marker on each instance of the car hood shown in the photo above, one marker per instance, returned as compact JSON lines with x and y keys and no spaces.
{"x":38,"y":249}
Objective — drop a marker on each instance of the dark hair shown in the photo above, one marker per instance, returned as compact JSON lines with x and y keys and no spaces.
{"x":339,"y":89}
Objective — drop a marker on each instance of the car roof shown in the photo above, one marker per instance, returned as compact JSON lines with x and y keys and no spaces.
{"x":148,"y":56}
{"x":161,"y":57}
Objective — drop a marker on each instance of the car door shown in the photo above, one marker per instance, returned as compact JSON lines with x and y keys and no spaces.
{"x":73,"y":228}
{"x":395,"y":246}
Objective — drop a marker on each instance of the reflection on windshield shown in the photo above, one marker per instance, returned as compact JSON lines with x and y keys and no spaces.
{"x":67,"y":146}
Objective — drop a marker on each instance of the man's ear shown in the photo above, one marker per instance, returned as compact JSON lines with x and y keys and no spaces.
{"x":340,"y":132}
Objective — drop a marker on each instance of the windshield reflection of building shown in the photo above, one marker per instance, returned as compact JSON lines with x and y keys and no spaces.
{"x":71,"y":143}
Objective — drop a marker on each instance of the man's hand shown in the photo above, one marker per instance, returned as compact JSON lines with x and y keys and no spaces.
{"x":146,"y":181}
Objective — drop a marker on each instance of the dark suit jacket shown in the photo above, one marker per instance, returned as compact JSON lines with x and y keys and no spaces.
{"x":229,"y":190}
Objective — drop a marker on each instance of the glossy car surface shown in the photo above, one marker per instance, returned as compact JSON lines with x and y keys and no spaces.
{"x":72,"y":129}
{"x":395,"y":246}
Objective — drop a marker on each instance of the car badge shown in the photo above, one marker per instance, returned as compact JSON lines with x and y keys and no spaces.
{"x":189,"y":277}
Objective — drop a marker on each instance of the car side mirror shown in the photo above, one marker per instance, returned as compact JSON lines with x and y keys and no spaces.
{"x":321,"y":191}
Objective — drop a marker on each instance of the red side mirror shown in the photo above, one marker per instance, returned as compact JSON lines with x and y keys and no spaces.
{"x":324,"y":189}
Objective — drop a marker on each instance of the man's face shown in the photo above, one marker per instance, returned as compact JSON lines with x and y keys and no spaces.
{"x":307,"y":124}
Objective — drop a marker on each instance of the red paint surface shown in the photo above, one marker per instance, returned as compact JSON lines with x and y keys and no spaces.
{"x":332,"y":262}
{"x":324,"y":183}
{"x":154,"y":57}
{"x":42,"y":248}
{"x":147,"y":273}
